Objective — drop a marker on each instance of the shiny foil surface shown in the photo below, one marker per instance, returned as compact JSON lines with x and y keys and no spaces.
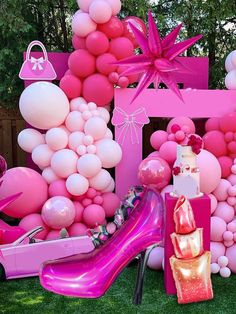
{"x":183,"y":216}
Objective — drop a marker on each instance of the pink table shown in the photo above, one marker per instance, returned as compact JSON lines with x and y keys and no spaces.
{"x":202,"y":213}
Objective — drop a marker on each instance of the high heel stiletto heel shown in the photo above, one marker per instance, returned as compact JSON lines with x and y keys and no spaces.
{"x":90,"y":275}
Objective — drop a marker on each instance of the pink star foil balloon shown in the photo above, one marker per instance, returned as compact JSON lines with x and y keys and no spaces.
{"x":157,"y":63}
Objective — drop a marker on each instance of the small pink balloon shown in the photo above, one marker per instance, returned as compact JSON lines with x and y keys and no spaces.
{"x":93,"y":215}
{"x":158,"y":138}
{"x":123,"y":82}
{"x":97,"y":43}
{"x":32,"y":221}
{"x":221,"y":192}
{"x":77,"y":229}
{"x":84,"y":4}
{"x":95,"y":127}
{"x":75,"y":103}
{"x":231,"y":200}
{"x":49,"y":175}
{"x":77,"y":184}
{"x":212,"y":124}
{"x":156,"y":258}
{"x":58,"y":188}
{"x":56,"y":138}
{"x":98,"y":200}
{"x":217,"y":250}
{"x":179,"y":136}
{"x":75,"y":140}
{"x":213,"y":203}
{"x":105,"y":64}
{"x":110,"y":187}
{"x":214,"y":142}
{"x":101,"y":181}
{"x":231,"y":254}
{"x":82,"y":63}
{"x":232,"y":226}
{"x":233,"y":169}
{"x":167,"y":189}
{"x":91,"y":193}
{"x":218,"y":227}
{"x":111,"y":227}
{"x":111,"y":203}
{"x":86,"y":202}
{"x":235,"y":237}
{"x":181,"y":121}
{"x":75,"y":121}
{"x":224,"y":211}
{"x":228,"y":122}
{"x":229,"y":137}
{"x":232,"y":147}
{"x":154,"y":154}
{"x":58,"y":212}
{"x":100,"y":11}
{"x":225,"y":272}
{"x":89,"y":165}
{"x":225,"y":164}
{"x":78,"y":211}
{"x":81,"y":150}
{"x":42,"y":155}
{"x":64,"y":163}
{"x":115,"y":6}
{"x":113,"y":77}
{"x":82,"y":24}
{"x":171,"y":137}
{"x":228,"y":243}
{"x":53,"y":235}
{"x":78,"y":42}
{"x":228,"y":236}
{"x":29,"y":139}
{"x":215,"y":268}
{"x":121,"y":48}
{"x":113,"y":28}
{"x":168,"y":151}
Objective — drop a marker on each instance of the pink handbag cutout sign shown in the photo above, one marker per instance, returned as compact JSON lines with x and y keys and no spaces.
{"x":37,"y":69}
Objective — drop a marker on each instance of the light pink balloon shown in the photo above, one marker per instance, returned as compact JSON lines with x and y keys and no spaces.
{"x":76,"y":102}
{"x":42,"y":155}
{"x":213,"y":203}
{"x":32,"y":221}
{"x":228,"y":236}
{"x":156,"y":258}
{"x":232,"y":179}
{"x":100,"y":11}
{"x":89,"y":165}
{"x":82,"y":24}
{"x":168,"y":151}
{"x":110,"y":187}
{"x":224,"y":211}
{"x":115,"y":5}
{"x":96,"y":127}
{"x":217,"y":250}
{"x":33,"y":186}
{"x":78,"y":211}
{"x":215,"y":268}
{"x":221,"y":192}
{"x":53,"y":235}
{"x":101,"y":181}
{"x":230,"y":80}
{"x":158,"y":138}
{"x":74,"y":121}
{"x":84,"y":4}
{"x":228,"y":62}
{"x":58,"y":212}
{"x":218,"y":227}
{"x":64,"y":163}
{"x":225,"y":272}
{"x":77,"y":184}
{"x":58,"y":188}
{"x":232,"y":226}
{"x":110,"y":204}
{"x":167,"y":189}
{"x":93,"y":215}
{"x":75,"y":140}
{"x":56,"y":138}
{"x":44,"y":105}
{"x":109,"y":152}
{"x":29,"y":139}
{"x":49,"y":175}
{"x":231,"y":254}
{"x":77,"y":230}
{"x":210,"y":171}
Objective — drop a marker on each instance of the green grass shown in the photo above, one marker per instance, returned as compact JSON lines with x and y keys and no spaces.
{"x":27,"y":296}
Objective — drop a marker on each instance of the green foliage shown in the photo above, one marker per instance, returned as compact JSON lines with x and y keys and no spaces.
{"x":22,"y":21}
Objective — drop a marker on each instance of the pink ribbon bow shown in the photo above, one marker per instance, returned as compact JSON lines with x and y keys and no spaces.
{"x":37,"y":63}
{"x":129,"y":123}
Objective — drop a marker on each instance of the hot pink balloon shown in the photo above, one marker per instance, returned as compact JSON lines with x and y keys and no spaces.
{"x":77,"y":229}
{"x":154,"y":172}
{"x":97,"y":43}
{"x":58,"y":212}
{"x":82,"y":24}
{"x":225,"y":164}
{"x":71,"y":86}
{"x":228,"y":122}
{"x":100,"y":11}
{"x":53,"y":235}
{"x":158,"y":138}
{"x":78,"y":42}
{"x":58,"y":188}
{"x":105,"y":63}
{"x":82,"y":63}
{"x":182,"y":121}
{"x":32,"y":221}
{"x":168,"y":151}
{"x":78,"y":211}
{"x":128,"y":31}
{"x":113,"y":28}
{"x":214,"y":142}
{"x":110,"y":203}
{"x":212,"y":124}
{"x":93,"y":215}
{"x":121,"y":47}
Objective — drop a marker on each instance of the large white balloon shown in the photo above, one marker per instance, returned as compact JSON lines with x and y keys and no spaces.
{"x":44,"y":105}
{"x":109,"y":153}
{"x":89,"y":165}
{"x":29,"y":139}
{"x":64,"y":163}
{"x":57,"y":138}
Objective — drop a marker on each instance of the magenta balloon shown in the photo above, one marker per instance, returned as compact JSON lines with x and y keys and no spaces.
{"x":113,"y":28}
{"x":71,"y":86}
{"x":32,"y":221}
{"x":168,"y":151}
{"x":128,"y":32}
{"x":225,"y":164}
{"x":91,"y":275}
{"x":82,"y":63}
{"x":97,"y":43}
{"x":212,"y":124}
{"x":214,"y":142}
{"x":155,"y":172}
{"x":182,"y":121}
{"x":98,"y":89}
{"x":78,"y":42}
{"x":105,"y":63}
{"x":228,"y":122}
{"x":121,"y":48}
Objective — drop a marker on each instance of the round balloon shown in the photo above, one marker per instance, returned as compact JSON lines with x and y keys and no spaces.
{"x":89,"y":165}
{"x":82,"y":63}
{"x":109,"y":152}
{"x":121,"y":48}
{"x":32,"y":221}
{"x":82,"y":24}
{"x":97,"y":43}
{"x":56,"y":138}
{"x":64,"y":163}
{"x":100,"y":11}
{"x":71,"y":86}
{"x":77,"y":184}
{"x":128,"y":31}
{"x":113,"y":28}
{"x":28,"y":139}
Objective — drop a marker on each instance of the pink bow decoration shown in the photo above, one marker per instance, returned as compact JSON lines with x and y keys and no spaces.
{"x":37,"y":63}
{"x":129,"y":123}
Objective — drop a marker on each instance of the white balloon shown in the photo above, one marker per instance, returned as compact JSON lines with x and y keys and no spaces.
{"x":57,"y":138}
{"x":96,"y":127}
{"x":101,"y":181}
{"x":230,"y":80}
{"x":49,"y":176}
{"x":233,"y":59}
{"x":29,"y":139}
{"x":44,"y":105}
{"x":42,"y":155}
{"x":74,"y":103}
{"x":89,"y":165}
{"x":109,"y":134}
{"x":110,"y":188}
{"x":109,"y":152}
{"x":75,"y":121}
{"x":77,"y":185}
{"x":75,"y":140}
{"x":64,"y":163}
{"x":104,"y":114}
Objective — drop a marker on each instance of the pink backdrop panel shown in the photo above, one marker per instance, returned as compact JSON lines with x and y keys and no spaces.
{"x":163,"y":103}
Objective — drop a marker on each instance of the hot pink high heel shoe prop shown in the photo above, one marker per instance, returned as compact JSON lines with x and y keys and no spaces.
{"x":91,"y":275}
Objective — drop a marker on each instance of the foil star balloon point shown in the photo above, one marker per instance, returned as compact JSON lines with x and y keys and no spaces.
{"x":157,"y":63}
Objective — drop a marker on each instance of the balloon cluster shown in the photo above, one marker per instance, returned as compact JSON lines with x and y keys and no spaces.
{"x":230,"y":66}
{"x":100,"y":38}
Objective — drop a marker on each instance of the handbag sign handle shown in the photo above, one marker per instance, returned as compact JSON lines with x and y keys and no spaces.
{"x":36,"y":43}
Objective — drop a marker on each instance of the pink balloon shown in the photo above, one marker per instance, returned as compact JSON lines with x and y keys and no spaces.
{"x":232,"y":226}
{"x":224,"y":211}
{"x":93,"y":215}
{"x":231,"y":254}
{"x":110,"y":187}
{"x":228,"y":122}
{"x":58,"y":188}
{"x":91,"y":193}
{"x":218,"y":227}
{"x":212,"y":124}
{"x":156,"y":258}
{"x":75,"y":121}
{"x":104,"y":63}
{"x":110,"y":204}
{"x":75,"y":140}
{"x":210,"y":171}
{"x":228,"y":236}
{"x":49,"y":175}
{"x":82,"y":63}
{"x":167,"y":189}
{"x":77,"y":229}
{"x":168,"y":151}
{"x":33,"y":186}
{"x":101,"y":181}
{"x":77,"y":184}
{"x":64,"y":163}
{"x":58,"y":212}
{"x":113,"y":28}
{"x":42,"y":155}
{"x":97,"y":43}
{"x":78,"y":211}
{"x":28,"y":139}
{"x":213,"y":203}
{"x":123,"y":82}
{"x":82,"y":24}
{"x":95,"y":127}
{"x":75,"y":104}
{"x":109,"y":152}
{"x":53,"y":235}
{"x":217,"y":250}
{"x":92,"y":87}
{"x":78,"y":42}
{"x":32,"y":221}
{"x":84,"y":4}
{"x":100,"y":11}
{"x":182,"y":121}
{"x":128,"y":32}
{"x":214,"y":142}
{"x":225,"y":272}
{"x":154,"y":172}
{"x":56,"y":138}
{"x":115,"y":6}
{"x":221,"y":192}
{"x":71,"y":86}
{"x":121,"y":47}
{"x":225,"y":164}
{"x":89,"y":165}
{"x":230,"y":80}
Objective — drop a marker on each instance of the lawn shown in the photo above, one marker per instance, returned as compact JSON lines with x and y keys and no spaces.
{"x":27,"y":296}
